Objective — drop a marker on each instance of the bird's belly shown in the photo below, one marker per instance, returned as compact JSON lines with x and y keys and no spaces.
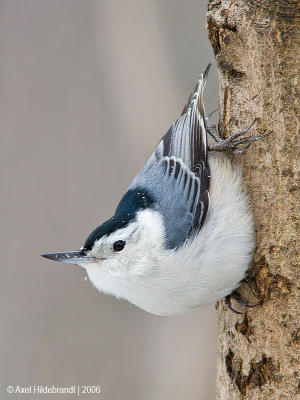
{"x":195,"y":287}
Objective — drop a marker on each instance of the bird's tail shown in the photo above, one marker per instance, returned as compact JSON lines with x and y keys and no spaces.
{"x":198,"y":129}
{"x":196,"y":97}
{"x":187,"y":137}
{"x":201,"y":86}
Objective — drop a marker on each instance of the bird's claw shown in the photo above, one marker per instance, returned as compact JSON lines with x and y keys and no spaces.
{"x":241,"y":151}
{"x":228,"y":304}
{"x":243,"y":302}
{"x":232,"y":143}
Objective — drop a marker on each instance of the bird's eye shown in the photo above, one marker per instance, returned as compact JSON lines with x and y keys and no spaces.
{"x":119,"y":245}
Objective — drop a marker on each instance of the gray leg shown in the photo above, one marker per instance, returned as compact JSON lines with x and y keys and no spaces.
{"x":232,"y":142}
{"x":207,"y":116}
{"x":211,"y":128}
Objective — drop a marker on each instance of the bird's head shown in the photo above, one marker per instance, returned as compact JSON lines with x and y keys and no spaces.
{"x":124,"y":246}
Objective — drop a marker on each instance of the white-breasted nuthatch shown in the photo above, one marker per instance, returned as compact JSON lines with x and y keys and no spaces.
{"x":182,"y":235}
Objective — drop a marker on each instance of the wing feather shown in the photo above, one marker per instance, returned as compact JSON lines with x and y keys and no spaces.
{"x":177,"y":173}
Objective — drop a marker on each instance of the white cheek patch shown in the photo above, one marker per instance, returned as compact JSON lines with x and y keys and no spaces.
{"x":151,"y":228}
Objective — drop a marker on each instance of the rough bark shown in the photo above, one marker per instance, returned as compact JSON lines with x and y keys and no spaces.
{"x":256,"y":44}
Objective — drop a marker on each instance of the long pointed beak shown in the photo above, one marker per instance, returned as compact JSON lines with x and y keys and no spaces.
{"x":71,"y":257}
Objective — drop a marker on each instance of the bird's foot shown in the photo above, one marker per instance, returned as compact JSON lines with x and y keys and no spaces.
{"x":242,"y":302}
{"x":248,"y":288}
{"x":233,"y":142}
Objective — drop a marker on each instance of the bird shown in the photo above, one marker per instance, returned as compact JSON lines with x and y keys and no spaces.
{"x":182,"y":236}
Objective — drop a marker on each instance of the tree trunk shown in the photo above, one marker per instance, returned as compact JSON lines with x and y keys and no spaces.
{"x":256,"y":44}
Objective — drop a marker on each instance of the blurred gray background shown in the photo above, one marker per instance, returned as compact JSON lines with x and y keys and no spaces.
{"x":87,"y":88}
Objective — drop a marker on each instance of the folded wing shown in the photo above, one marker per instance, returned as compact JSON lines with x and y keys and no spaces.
{"x":177,"y":173}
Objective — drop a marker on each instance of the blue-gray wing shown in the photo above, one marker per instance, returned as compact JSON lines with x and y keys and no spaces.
{"x":177,"y":173}
{"x":177,"y":195}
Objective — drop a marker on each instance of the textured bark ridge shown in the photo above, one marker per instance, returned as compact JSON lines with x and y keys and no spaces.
{"x":256,"y":44}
